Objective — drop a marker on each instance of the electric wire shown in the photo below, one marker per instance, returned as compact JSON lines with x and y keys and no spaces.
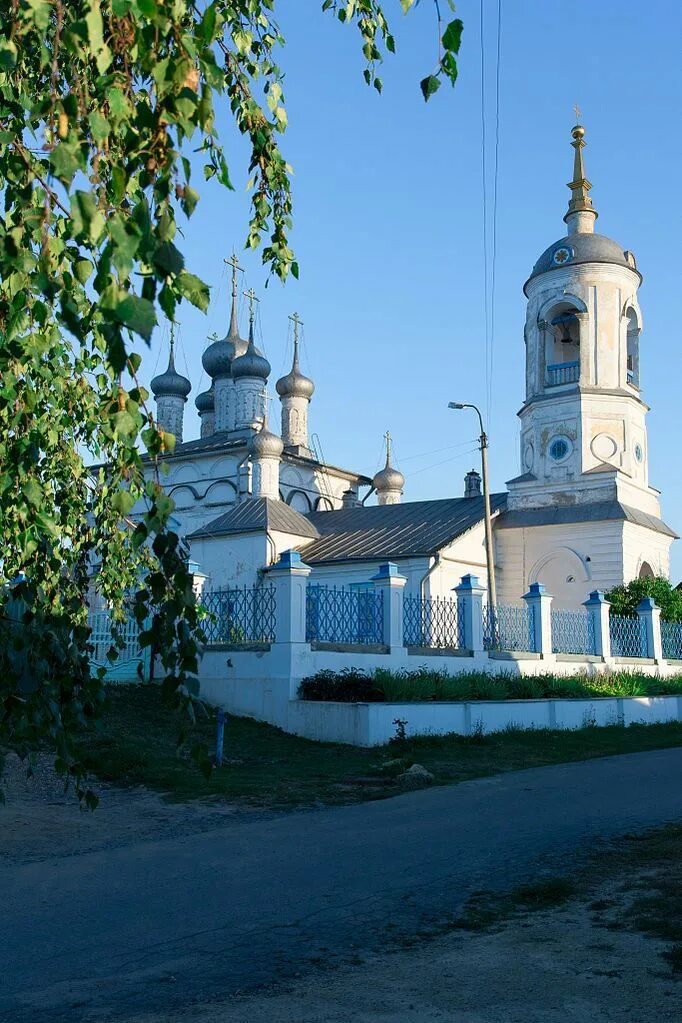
{"x":496,"y":162}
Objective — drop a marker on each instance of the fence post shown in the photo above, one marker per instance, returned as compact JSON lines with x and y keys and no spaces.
{"x":539,"y":604}
{"x":649,"y":613}
{"x":289,"y":576}
{"x":470,"y":600}
{"x":391,"y":583}
{"x":599,"y":607}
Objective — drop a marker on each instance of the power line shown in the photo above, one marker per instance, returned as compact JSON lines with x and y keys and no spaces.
{"x":495,"y":180}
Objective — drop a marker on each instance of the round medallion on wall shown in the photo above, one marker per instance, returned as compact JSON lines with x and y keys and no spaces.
{"x":562,"y":255}
{"x":559,"y":449}
{"x":639,"y":453}
{"x":604,"y":447}
{"x":528,"y":457}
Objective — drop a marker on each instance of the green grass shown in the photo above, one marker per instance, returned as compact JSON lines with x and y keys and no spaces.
{"x":426,"y":685}
{"x":135,"y":743}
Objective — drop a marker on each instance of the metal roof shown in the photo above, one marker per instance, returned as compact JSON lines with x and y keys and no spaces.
{"x":258,"y":515}
{"x":413,"y":529}
{"x":597,"y":511}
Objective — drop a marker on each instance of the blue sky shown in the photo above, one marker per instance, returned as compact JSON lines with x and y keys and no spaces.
{"x":389,"y":213}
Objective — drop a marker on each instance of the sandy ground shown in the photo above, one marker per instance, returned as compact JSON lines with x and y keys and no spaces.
{"x":550,"y":967}
{"x":40,"y":820}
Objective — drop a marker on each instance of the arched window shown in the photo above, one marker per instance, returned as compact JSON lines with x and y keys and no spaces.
{"x":632,"y":348}
{"x":646,"y":571}
{"x":562,"y":354}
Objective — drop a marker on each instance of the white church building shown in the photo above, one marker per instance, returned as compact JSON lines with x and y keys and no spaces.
{"x":581,"y":514}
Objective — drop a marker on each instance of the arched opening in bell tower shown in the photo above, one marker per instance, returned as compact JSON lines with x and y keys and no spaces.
{"x":633,"y":331}
{"x":562,"y":354}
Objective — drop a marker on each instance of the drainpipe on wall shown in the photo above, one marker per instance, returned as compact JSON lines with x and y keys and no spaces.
{"x":244,"y":460}
{"x":429,"y":572}
{"x":368,"y":495}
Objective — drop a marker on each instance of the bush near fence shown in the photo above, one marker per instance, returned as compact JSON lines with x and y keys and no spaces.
{"x":353,"y":685}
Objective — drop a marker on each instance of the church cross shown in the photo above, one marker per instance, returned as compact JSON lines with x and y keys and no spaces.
{"x":387,"y":438}
{"x":251,"y":295}
{"x":297,"y":322}
{"x":234,"y":263}
{"x":578,"y":113}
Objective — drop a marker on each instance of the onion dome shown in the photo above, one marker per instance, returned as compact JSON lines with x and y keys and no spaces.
{"x":217,"y":358}
{"x":388,"y":478}
{"x":205,"y":402}
{"x":265,"y":444}
{"x":295,"y":384}
{"x":171,"y":383}
{"x":251,"y":363}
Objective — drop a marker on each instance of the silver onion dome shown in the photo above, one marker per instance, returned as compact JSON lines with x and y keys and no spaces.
{"x":265,"y":444}
{"x":205,"y":402}
{"x":388,"y":478}
{"x":251,"y":364}
{"x":217,"y":358}
{"x":295,"y":384}
{"x":171,"y":383}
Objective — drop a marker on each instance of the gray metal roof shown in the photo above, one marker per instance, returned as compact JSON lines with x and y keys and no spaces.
{"x":413,"y":529}
{"x":584,"y":247}
{"x":598,"y":511}
{"x":257,"y":516}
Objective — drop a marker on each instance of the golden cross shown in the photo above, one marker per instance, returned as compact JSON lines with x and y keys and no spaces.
{"x":578,"y":112}
{"x":234,"y":263}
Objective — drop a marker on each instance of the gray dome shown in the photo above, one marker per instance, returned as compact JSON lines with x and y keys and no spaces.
{"x":217,"y":358}
{"x":388,"y":479}
{"x":583,"y":247}
{"x":205,"y":402}
{"x":295,"y":385}
{"x":251,"y":364}
{"x":171,"y":383}
{"x":265,"y":444}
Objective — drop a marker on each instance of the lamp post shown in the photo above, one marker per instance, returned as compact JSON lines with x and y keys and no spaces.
{"x":483,"y":440}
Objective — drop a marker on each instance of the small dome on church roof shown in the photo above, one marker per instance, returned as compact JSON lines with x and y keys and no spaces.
{"x":265,"y":444}
{"x":205,"y":402}
{"x":582,"y":247}
{"x":217,"y":358}
{"x":251,"y":364}
{"x":171,"y":383}
{"x":388,"y":479}
{"x":295,"y":384}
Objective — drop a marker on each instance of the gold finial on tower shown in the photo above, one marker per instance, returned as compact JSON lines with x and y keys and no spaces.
{"x":580,"y":202}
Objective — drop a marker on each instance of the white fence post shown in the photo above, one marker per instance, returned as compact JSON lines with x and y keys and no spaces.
{"x":470,"y":600}
{"x":650,"y":614}
{"x":599,"y":608}
{"x":539,"y":604}
{"x":289,"y":576}
{"x":391,"y":583}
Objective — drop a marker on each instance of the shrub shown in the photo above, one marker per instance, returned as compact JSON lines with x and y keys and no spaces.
{"x":625,"y":598}
{"x":351,"y":685}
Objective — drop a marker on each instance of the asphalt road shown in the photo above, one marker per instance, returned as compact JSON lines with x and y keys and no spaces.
{"x":163,"y":924}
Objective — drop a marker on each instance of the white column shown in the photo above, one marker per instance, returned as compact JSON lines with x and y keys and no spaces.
{"x":295,"y":421}
{"x":650,"y":614}
{"x":599,"y":607}
{"x":539,"y":603}
{"x":470,"y":595}
{"x":391,"y":583}
{"x":289,"y":576}
{"x":266,"y":478}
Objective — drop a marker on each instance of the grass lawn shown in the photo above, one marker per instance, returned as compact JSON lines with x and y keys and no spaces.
{"x":135,"y":743}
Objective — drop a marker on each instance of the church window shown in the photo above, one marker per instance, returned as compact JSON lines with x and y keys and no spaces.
{"x":632,"y":349}
{"x":639,"y":454}
{"x":562,"y":255}
{"x":559,"y":449}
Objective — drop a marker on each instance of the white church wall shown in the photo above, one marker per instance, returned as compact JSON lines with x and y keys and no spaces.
{"x":642,"y":545}
{"x":570,"y":560}
{"x":465,"y":555}
{"x":230,"y":560}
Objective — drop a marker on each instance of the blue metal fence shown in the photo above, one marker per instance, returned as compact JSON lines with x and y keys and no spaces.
{"x":507,"y":627}
{"x":433,"y":622}
{"x":671,"y":637}
{"x":335,"y":614}
{"x":243,"y":614}
{"x":573,"y":632}
{"x":628,"y":636}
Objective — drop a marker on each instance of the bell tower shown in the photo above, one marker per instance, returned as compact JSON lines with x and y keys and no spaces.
{"x":584,"y":480}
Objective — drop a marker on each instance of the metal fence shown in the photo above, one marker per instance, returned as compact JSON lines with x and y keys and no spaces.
{"x":671,"y":637}
{"x":628,"y":636}
{"x":573,"y":632}
{"x":243,"y":614}
{"x":507,"y":627}
{"x":433,"y":622}
{"x":106,"y":634}
{"x":335,"y":614}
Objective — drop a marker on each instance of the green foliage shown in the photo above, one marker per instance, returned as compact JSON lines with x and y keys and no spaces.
{"x":625,"y":598}
{"x":424,"y":685}
{"x":101,"y":101}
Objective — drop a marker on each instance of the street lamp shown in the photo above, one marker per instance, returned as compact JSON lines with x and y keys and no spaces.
{"x":483,"y":440}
